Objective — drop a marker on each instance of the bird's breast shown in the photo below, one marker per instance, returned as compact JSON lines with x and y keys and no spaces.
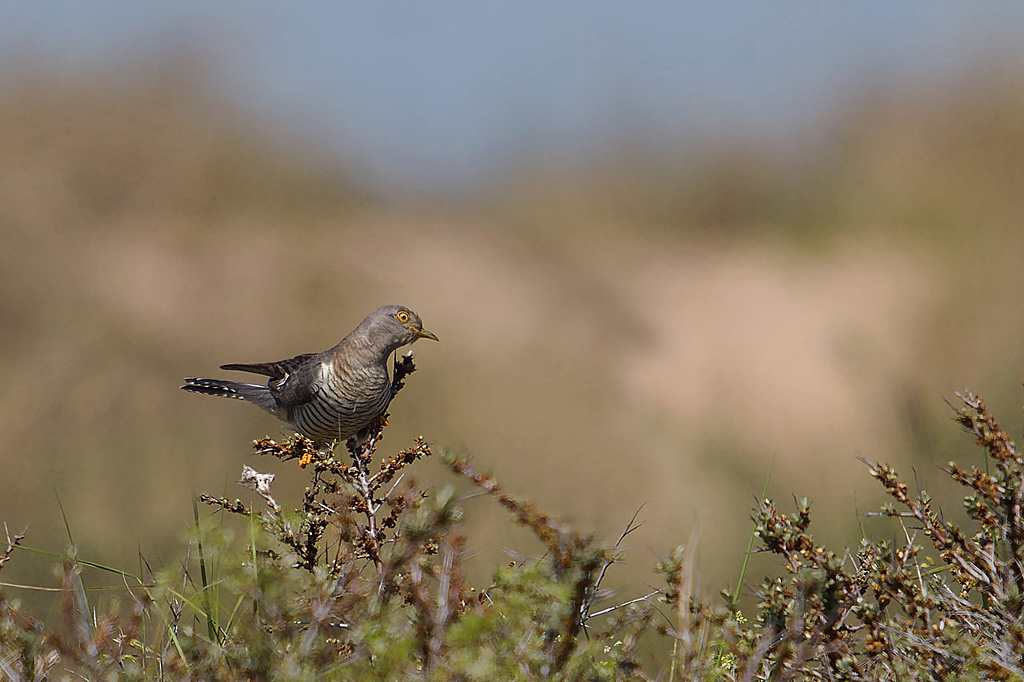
{"x":346,"y":398}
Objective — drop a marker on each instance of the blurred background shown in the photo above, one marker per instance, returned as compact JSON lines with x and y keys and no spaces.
{"x":668,"y":249}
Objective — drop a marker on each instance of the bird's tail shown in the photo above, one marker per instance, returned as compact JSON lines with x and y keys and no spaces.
{"x":256,"y":394}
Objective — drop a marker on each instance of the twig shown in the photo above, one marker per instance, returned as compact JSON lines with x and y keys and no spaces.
{"x":627,"y":603}
{"x":11,"y":544}
{"x":361,"y":455}
{"x":595,"y":589}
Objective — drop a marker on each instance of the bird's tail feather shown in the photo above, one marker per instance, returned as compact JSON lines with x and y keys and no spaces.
{"x":254,"y":393}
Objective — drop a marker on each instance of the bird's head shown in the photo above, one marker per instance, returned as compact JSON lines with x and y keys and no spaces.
{"x":394,"y":326}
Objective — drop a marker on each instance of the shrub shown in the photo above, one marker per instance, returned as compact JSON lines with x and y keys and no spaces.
{"x":364,"y":580}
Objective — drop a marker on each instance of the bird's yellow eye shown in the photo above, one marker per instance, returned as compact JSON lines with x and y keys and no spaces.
{"x":402,"y":316}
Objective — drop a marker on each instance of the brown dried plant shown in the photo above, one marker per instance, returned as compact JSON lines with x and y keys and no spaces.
{"x":366,"y":580}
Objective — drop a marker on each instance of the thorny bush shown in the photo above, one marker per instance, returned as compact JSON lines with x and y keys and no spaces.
{"x":365,"y":580}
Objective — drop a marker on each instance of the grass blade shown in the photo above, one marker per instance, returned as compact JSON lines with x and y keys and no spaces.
{"x":211,"y":621}
{"x":750,"y":546}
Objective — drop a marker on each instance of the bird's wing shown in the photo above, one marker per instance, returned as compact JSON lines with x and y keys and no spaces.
{"x":291,"y":380}
{"x":274,"y":370}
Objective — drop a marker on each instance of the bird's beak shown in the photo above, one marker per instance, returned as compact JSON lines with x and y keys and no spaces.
{"x":427,"y":334}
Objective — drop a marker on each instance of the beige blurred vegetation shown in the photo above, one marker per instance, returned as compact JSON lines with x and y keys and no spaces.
{"x":647,"y":327}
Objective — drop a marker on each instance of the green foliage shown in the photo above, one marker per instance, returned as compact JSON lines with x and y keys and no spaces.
{"x":364,"y":581}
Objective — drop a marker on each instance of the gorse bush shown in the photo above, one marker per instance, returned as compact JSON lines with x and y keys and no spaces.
{"x":365,"y":580}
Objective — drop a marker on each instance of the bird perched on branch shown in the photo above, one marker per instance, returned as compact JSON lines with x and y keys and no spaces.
{"x":331,"y":395}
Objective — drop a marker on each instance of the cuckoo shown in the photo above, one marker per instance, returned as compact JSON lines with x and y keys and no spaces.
{"x":331,"y":395}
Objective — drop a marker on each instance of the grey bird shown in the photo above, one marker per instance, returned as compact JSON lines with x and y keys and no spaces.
{"x":331,"y":395}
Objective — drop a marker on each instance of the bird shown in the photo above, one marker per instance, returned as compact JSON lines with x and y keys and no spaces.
{"x":333,"y":395}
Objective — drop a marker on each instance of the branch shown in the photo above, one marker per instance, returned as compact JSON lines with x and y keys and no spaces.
{"x":11,"y":544}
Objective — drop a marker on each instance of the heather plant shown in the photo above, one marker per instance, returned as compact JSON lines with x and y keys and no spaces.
{"x":365,"y":579}
{"x":887,"y":610}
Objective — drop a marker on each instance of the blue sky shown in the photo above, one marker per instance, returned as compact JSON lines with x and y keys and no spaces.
{"x":436,"y":94}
